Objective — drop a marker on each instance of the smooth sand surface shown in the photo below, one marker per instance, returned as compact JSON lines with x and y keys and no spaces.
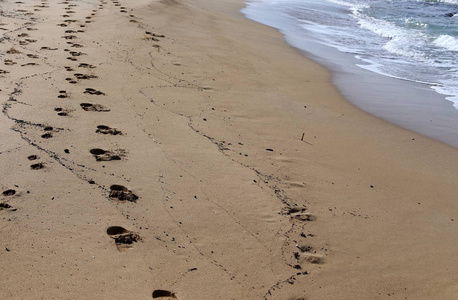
{"x":199,"y":186}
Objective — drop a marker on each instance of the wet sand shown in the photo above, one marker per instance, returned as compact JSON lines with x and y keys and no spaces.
{"x":176,"y":150}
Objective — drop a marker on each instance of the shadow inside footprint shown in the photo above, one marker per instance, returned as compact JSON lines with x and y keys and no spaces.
{"x":122,"y":193}
{"x":37,"y":166}
{"x":107,"y":130}
{"x":123,"y":237}
{"x":163,"y":294}
{"x":84,"y":76}
{"x":9,"y":192}
{"x":93,"y":107}
{"x":6,"y":206}
{"x":62,"y":94}
{"x":84,"y":65}
{"x":104,"y":155}
{"x":91,"y":91}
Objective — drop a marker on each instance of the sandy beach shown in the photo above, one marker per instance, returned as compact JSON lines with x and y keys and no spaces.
{"x":173,"y":149}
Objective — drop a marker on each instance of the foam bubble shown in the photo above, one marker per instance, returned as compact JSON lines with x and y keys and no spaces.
{"x":447,"y":42}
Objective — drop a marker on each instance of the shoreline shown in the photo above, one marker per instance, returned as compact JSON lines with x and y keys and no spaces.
{"x":164,"y":150}
{"x":411,"y":105}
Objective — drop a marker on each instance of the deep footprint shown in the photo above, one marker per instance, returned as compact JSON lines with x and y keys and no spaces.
{"x":123,"y":238}
{"x":163,"y":294}
{"x":91,"y":91}
{"x":121,"y":193}
{"x":6,"y":206}
{"x":104,"y":155}
{"x":93,"y":107}
{"x":9,"y":192}
{"x":107,"y":130}
{"x":37,"y":166}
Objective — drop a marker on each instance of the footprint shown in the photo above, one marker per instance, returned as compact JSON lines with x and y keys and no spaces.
{"x":6,"y":206}
{"x":84,"y":65}
{"x":122,"y":193}
{"x":32,"y":55}
{"x":13,"y":51}
{"x":93,"y":107}
{"x":312,"y":258}
{"x":124,"y":238}
{"x":73,"y":53}
{"x":3,"y":72}
{"x":163,"y":294}
{"x":32,"y":157}
{"x":303,"y":216}
{"x":77,"y":46}
{"x":61,"y":111}
{"x":104,"y":155}
{"x":71,"y":58}
{"x":91,"y":91}
{"x":48,"y":48}
{"x":107,"y":130}
{"x":69,"y":37}
{"x":23,"y":35}
{"x":62,"y":94}
{"x":9,"y":62}
{"x":155,"y":35}
{"x":292,"y":210}
{"x":84,"y":76}
{"x":299,"y":214}
{"x":47,"y":135}
{"x":9,"y":192}
{"x":29,"y":64}
{"x":37,"y":166}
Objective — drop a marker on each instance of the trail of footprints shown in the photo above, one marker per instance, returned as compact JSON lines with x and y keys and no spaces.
{"x":122,"y":237}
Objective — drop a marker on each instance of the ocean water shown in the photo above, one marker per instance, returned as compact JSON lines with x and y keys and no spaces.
{"x":409,"y":49}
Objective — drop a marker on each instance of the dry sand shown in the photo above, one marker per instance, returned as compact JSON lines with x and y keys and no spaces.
{"x":202,"y":188}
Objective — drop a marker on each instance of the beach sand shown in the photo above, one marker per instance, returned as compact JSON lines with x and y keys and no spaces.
{"x":175,"y":150}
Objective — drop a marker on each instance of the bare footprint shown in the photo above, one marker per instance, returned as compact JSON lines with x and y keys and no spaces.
{"x":121,"y":193}
{"x":124,"y":238}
